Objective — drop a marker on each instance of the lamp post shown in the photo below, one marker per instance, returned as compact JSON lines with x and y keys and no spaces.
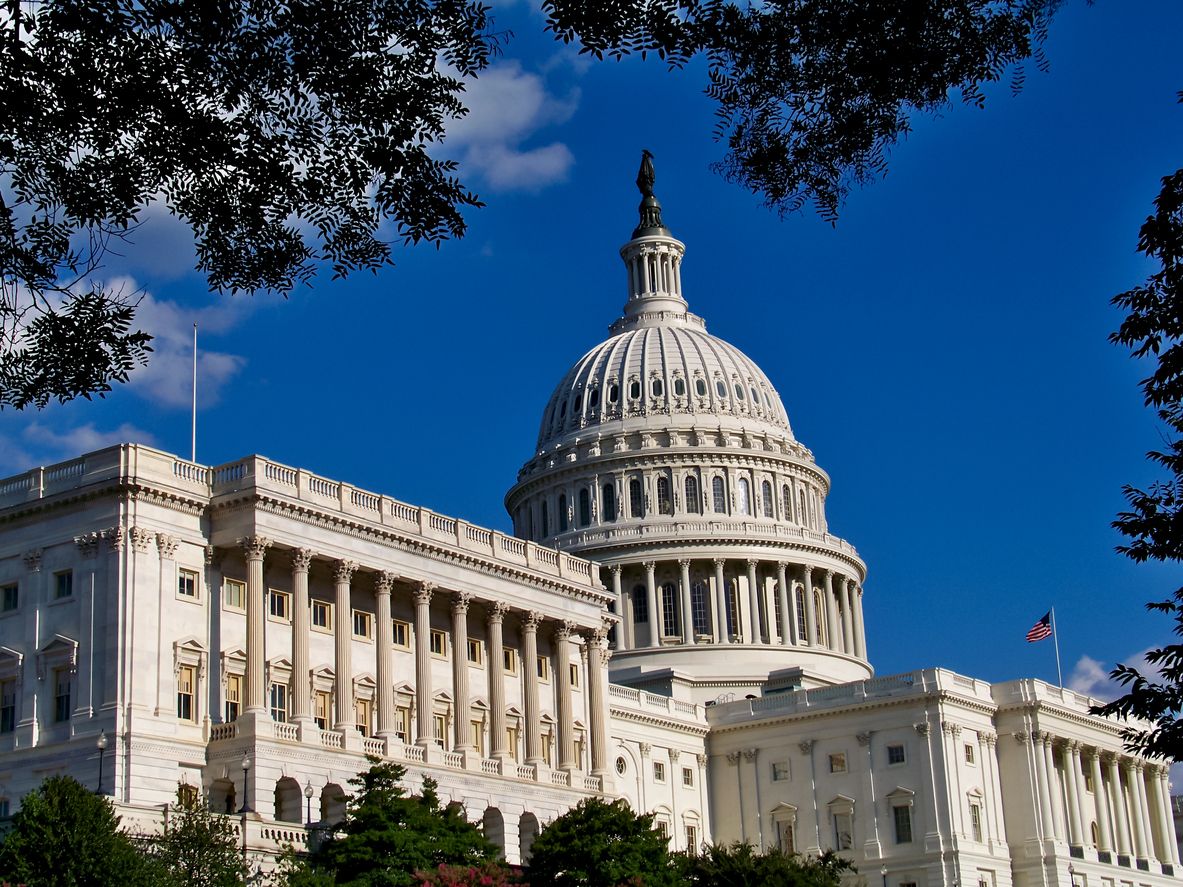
{"x":101,"y":745}
{"x":883,"y":872}
{"x":246,"y":792}
{"x":1071,"y":875}
{"x":308,"y":802}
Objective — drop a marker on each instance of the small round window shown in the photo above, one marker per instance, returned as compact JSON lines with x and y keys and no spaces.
{"x":657,"y":388}
{"x":738,"y":391}
{"x":634,"y":390}
{"x":679,"y":387}
{"x":700,"y":387}
{"x":621,"y":766}
{"x":720,"y":388}
{"x":593,"y":399}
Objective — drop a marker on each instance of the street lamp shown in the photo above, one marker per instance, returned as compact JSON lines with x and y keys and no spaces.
{"x":883,"y":872}
{"x":308,"y":801}
{"x":246,"y":796}
{"x":101,"y":745}
{"x":1071,"y":875}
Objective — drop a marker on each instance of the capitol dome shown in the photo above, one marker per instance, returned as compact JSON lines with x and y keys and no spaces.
{"x":666,"y":455}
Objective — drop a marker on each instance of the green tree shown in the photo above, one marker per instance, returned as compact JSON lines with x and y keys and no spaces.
{"x":199,"y":848}
{"x":1153,"y":330}
{"x":731,"y":865}
{"x":600,"y":844}
{"x":387,"y":836}
{"x":66,"y":836}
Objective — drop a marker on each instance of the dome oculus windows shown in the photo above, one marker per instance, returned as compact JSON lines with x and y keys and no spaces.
{"x":613,"y":393}
{"x":593,"y":398}
{"x":634,"y":390}
{"x":680,"y":387}
{"x":657,"y":388}
{"x":721,"y":389}
{"x":700,"y":387}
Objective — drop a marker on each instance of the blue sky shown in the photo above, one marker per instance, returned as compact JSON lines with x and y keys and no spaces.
{"x":942,"y":350}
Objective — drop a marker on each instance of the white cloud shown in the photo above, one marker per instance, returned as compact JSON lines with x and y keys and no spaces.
{"x":509,"y":169}
{"x":1091,"y":676}
{"x":39,"y":444}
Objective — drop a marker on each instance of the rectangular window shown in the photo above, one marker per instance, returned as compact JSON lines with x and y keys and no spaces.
{"x":688,"y":777}
{"x":785,"y":837}
{"x":543,"y":668}
{"x":969,"y":754}
{"x":7,"y":706}
{"x":322,"y":615}
{"x":658,"y":771}
{"x":838,"y":762}
{"x":692,"y":840}
{"x":402,"y":633}
{"x":579,"y":750}
{"x":669,"y":611}
{"x":663,"y":828}
{"x":975,"y":821}
{"x":187,"y":584}
{"x":320,"y":708}
{"x":780,"y":771}
{"x":843,"y":831}
{"x":234,"y":595}
{"x":361,"y":710}
{"x":510,"y":660}
{"x":279,"y":702}
{"x":895,"y":755}
{"x":61,"y":695}
{"x":439,"y":725}
{"x":9,"y":597}
{"x":477,"y":736}
{"x":402,"y":723}
{"x":640,"y":605}
{"x":574,"y":672}
{"x":63,"y":584}
{"x":902,"y":816}
{"x":4,"y":808}
{"x":185,"y":693}
{"x":233,"y":696}
{"x":363,"y":624}
{"x":439,"y":642}
{"x":547,"y":746}
{"x":512,"y":739}
{"x":475,"y":652}
{"x":280,"y":605}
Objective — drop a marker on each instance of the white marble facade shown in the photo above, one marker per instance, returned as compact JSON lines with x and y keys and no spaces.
{"x":673,"y":622}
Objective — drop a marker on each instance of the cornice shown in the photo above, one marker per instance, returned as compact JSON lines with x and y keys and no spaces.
{"x":652,"y":720}
{"x":1092,"y":722}
{"x":115,"y":488}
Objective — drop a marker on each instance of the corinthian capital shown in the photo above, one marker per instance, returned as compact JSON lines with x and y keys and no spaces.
{"x":383,"y":581}
{"x":167,"y":546}
{"x":254,"y":546}
{"x":422,"y":593}
{"x":301,"y":560}
{"x":531,"y":621}
{"x":460,"y":602}
{"x":343,"y":571}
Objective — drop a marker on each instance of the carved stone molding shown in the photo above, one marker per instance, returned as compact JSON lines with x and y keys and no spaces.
{"x":645,"y":749}
{"x":115,"y":537}
{"x":301,"y":560}
{"x":32,"y":560}
{"x":423,"y":592}
{"x":732,"y":757}
{"x":255,"y":547}
{"x":497,"y":612}
{"x":806,"y":746}
{"x":531,"y":621}
{"x":141,"y":538}
{"x":460,"y":601}
{"x":384,"y":581}
{"x":1021,"y":736}
{"x":921,"y":728}
{"x":674,"y":755}
{"x":864,"y":739}
{"x":167,"y":546}
{"x":987,"y":737}
{"x":343,"y":571}
{"x":88,"y":544}
{"x":213,"y":556}
{"x":749,"y":754}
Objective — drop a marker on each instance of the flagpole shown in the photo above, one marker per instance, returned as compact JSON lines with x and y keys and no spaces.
{"x":1056,"y":641}
{"x":193,"y":438}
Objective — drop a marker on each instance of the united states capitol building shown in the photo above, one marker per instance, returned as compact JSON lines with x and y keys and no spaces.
{"x":673,"y":621}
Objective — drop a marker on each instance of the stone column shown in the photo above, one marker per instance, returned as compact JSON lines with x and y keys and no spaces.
{"x":810,"y":607}
{"x":1158,"y":838}
{"x":1053,"y":786}
{"x":530,"y":671}
{"x":1075,"y":835}
{"x":597,"y":680}
{"x":624,"y":640}
{"x":651,"y":604}
{"x":1042,"y":788}
{"x":848,"y":646}
{"x":563,"y":701}
{"x":787,"y":621}
{"x":461,"y":734}
{"x":1103,"y":840}
{"x":343,"y":645}
{"x":860,"y":628}
{"x":424,"y":726}
{"x":1168,"y":820}
{"x":832,"y":629}
{"x":1132,"y":777}
{"x":1120,"y":823}
{"x":495,"y":621}
{"x":383,"y":583}
{"x":752,"y":623}
{"x":989,"y":745}
{"x":301,"y":670}
{"x":687,"y":607}
{"x":256,"y":603}
{"x":90,"y":623}
{"x":1145,"y":809}
{"x":721,"y":608}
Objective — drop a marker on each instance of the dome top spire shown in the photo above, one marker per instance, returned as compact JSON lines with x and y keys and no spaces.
{"x":650,"y":208}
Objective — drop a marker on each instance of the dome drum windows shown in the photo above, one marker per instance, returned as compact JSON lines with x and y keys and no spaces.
{"x":563,"y":519}
{"x":634,"y":389}
{"x":743,"y":497}
{"x":614,"y":392}
{"x":636,"y":498}
{"x":700,"y":387}
{"x":679,"y":387}
{"x":738,"y":391}
{"x":718,"y":494}
{"x":585,"y":518}
{"x":593,"y":398}
{"x":665,"y":502}
{"x":693,"y":503}
{"x":609,"y":502}
{"x":721,"y":389}
{"x":766,"y":495}
{"x":657,"y":387}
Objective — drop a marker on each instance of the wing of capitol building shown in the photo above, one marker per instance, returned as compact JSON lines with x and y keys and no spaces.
{"x":673,"y":622}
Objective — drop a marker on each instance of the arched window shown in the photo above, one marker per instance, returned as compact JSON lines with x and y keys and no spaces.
{"x":545,"y":520}
{"x":609,"y":502}
{"x":640,"y":604}
{"x":801,"y":519}
{"x":718,"y":494}
{"x":738,"y":391}
{"x":636,"y":498}
{"x":698,"y":608}
{"x":721,"y":389}
{"x":802,"y":633}
{"x":593,"y":398}
{"x":769,"y":507}
{"x":613,"y":393}
{"x":665,"y":504}
{"x":732,"y":609}
{"x":584,"y":507}
{"x":693,"y":505}
{"x":562,"y":512}
{"x":669,"y":610}
{"x":578,"y":404}
{"x":744,"y":497}
{"x":786,"y":503}
{"x":634,"y":389}
{"x":820,"y":618}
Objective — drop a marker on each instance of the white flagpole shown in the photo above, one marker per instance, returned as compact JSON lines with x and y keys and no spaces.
{"x":193,"y":438}
{"x":1056,"y":640}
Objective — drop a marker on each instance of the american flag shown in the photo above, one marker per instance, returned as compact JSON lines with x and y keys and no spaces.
{"x":1041,"y":629}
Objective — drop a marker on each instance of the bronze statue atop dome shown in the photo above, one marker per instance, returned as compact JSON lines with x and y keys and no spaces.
{"x":649,"y":209}
{"x":645,"y":175}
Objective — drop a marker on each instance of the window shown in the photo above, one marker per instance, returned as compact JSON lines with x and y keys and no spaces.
{"x":439,"y":642}
{"x":720,"y":389}
{"x":547,"y":743}
{"x":584,"y":507}
{"x":509,"y":660}
{"x":634,"y":389}
{"x":692,"y":840}
{"x":363,"y":624}
{"x":902,"y":817}
{"x":613,"y":393}
{"x":969,"y":754}
{"x":562,"y":512}
{"x":4,"y":808}
{"x":844,"y":830}
{"x":786,"y":839}
{"x":669,"y":611}
{"x":838,"y":762}
{"x":640,"y":604}
{"x":680,"y":387}
{"x":9,"y":597}
{"x":609,"y":503}
{"x":185,"y":693}
{"x":743,"y":496}
{"x":780,"y":771}
{"x":665,"y":504}
{"x":662,"y":827}
{"x":234,"y":595}
{"x":698,"y":608}
{"x":280,"y":605}
{"x":657,"y":388}
{"x":636,"y":499}
{"x":476,"y":730}
{"x":733,"y":608}
{"x":362,"y":711}
{"x":187,"y":584}
{"x":233,"y":696}
{"x":402,"y":723}
{"x":543,"y":668}
{"x":802,"y":634}
{"x":659,"y":771}
{"x":402,"y":633}
{"x":786,"y":503}
{"x":278,"y":696}
{"x":621,"y":766}
{"x":693,"y":505}
{"x":475,"y":651}
{"x":7,"y":706}
{"x":688,"y":777}
{"x":718,"y":495}
{"x":63,"y":584}
{"x":439,"y":729}
{"x":545,"y":520}
{"x":322,"y":615}
{"x":766,"y":494}
{"x":593,"y":399}
{"x":895,"y":755}
{"x":578,"y":405}
{"x":975,"y":820}
{"x":573,"y":670}
{"x":321,"y":707}
{"x":738,"y":391}
{"x":61,"y":695}
{"x":700,"y":387}
{"x":512,"y":739}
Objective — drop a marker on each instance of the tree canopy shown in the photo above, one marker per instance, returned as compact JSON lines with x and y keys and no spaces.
{"x":199,"y":848}
{"x":726,"y":865}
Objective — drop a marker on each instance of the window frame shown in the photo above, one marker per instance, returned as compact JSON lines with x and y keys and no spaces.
{"x":187,"y":701}
{"x":275,"y":595}
{"x":892,"y":749}
{"x":8,"y":589}
{"x":838,"y":762}
{"x":405,"y":627}
{"x":63,"y":585}
{"x":365,"y":619}
{"x":659,"y":772}
{"x":194,"y":580}
{"x":475,"y":651}
{"x":327,"y":609}
{"x":240,"y":591}
{"x":439,"y":649}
